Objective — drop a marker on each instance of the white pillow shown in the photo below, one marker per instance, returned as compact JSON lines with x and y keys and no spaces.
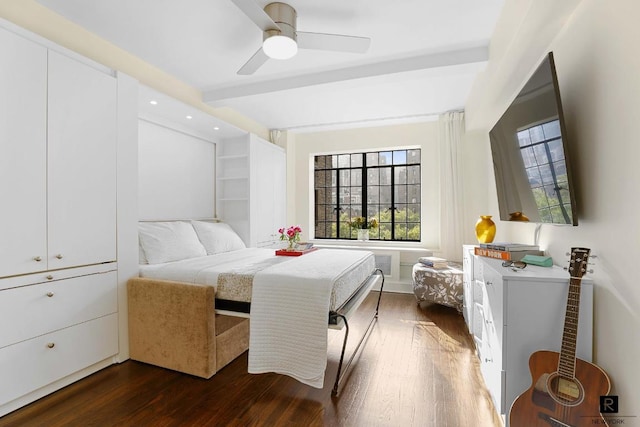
{"x":142,"y":258}
{"x":217,"y":237}
{"x":169,"y":241}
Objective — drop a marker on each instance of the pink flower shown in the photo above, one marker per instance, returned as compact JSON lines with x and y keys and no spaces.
{"x":292,"y":233}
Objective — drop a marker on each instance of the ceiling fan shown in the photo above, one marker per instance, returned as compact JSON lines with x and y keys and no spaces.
{"x":281,"y":39}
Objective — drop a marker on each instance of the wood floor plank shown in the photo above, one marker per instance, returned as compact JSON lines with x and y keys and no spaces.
{"x":417,"y":368}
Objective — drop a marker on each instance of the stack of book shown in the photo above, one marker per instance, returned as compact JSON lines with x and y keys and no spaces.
{"x":433,"y":262}
{"x":507,"y":251}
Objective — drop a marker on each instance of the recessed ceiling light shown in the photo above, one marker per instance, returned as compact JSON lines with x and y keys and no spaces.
{"x":153,"y":102}
{"x":189,"y":117}
{"x":216,"y":128}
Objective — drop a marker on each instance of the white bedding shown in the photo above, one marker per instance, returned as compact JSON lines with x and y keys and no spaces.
{"x":205,"y":270}
{"x":289,"y":313}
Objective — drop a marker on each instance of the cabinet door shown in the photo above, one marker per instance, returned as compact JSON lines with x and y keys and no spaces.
{"x":82,"y":164}
{"x":280,"y":190}
{"x":267,"y":197}
{"x":23,"y":150}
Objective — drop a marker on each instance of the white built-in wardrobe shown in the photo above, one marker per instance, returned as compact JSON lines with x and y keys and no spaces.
{"x":65,"y":123}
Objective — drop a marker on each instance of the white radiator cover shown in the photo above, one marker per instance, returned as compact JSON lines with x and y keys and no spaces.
{"x":385,"y":263}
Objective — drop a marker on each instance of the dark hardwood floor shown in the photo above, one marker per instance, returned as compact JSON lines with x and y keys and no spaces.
{"x":418,"y":368}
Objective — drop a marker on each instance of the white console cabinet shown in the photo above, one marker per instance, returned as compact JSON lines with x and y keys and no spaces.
{"x":251,"y":188}
{"x":515,"y":313}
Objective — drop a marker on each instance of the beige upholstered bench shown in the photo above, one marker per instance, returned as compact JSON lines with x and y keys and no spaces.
{"x":174,"y":325}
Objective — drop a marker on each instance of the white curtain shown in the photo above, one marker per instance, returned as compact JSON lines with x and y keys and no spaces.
{"x":450,"y":134}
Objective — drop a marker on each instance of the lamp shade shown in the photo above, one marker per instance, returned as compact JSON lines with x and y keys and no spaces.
{"x":280,"y":47}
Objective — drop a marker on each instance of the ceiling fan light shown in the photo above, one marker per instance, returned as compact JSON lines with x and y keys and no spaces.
{"x":280,"y":47}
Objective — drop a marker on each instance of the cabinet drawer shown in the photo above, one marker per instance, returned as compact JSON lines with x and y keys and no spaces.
{"x":491,"y":368}
{"x":478,"y":291}
{"x":478,"y":272}
{"x":46,"y":307}
{"x":37,"y":362}
{"x":478,"y":321}
{"x":467,"y":261}
{"x":494,"y":379}
{"x":494,"y":293}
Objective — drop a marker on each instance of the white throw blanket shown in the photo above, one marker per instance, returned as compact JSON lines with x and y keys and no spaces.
{"x":289,"y":314}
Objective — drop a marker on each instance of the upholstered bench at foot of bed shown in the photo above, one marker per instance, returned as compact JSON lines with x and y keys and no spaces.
{"x":173,"y":325}
{"x":439,"y":286}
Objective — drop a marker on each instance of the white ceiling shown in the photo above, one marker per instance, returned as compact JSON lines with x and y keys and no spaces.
{"x":423,"y":59}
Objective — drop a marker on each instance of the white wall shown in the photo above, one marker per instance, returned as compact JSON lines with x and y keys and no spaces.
{"x":176,"y":174}
{"x":302,"y":147}
{"x":598,"y":70}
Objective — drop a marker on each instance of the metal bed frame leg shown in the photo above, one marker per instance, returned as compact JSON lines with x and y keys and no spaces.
{"x":340,"y":377}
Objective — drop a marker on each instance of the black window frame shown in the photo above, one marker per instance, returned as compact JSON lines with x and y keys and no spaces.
{"x":333,"y":197}
{"x":537,"y":154}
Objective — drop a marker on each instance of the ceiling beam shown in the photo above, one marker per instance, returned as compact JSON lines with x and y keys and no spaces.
{"x":413,"y":63}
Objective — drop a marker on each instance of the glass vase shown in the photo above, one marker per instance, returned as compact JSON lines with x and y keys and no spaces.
{"x":485,"y":229}
{"x":363,"y":235}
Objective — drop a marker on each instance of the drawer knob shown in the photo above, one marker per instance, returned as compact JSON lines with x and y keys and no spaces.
{"x":51,"y":344}
{"x":488,"y":321}
{"x":59,"y":256}
{"x":49,"y":277}
{"x":489,"y":283}
{"x":37,"y":258}
{"x":487,"y":360}
{"x":49,"y":294}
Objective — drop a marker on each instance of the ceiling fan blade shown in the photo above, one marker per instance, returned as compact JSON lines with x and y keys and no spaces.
{"x":256,"y":14}
{"x":336,"y":42}
{"x":256,"y":61}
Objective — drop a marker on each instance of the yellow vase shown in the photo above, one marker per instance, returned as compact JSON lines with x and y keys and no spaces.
{"x":485,"y":229}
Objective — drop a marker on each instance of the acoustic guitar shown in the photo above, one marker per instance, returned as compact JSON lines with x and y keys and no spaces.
{"x":565,"y":391}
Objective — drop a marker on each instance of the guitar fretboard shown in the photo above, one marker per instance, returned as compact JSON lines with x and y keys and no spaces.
{"x":567,"y":361}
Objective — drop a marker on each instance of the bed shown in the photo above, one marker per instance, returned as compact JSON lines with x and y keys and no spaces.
{"x":289,"y":300}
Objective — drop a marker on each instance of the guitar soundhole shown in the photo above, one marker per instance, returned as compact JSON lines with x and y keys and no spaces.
{"x":566,"y":391}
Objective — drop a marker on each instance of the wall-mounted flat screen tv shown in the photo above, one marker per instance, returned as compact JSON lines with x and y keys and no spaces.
{"x":530,"y":155}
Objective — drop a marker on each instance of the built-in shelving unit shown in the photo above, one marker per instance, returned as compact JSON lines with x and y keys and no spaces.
{"x":251,"y":188}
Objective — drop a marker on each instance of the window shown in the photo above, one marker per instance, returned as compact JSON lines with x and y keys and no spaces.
{"x":384,"y":185}
{"x":543,"y":156}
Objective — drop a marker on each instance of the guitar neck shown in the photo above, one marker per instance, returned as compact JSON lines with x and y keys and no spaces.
{"x":566,"y":364}
{"x":577,"y":268}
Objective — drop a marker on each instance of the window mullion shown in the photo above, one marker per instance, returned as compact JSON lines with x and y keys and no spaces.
{"x":393,"y":203}
{"x":337,"y":171}
{"x":365,"y":178}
